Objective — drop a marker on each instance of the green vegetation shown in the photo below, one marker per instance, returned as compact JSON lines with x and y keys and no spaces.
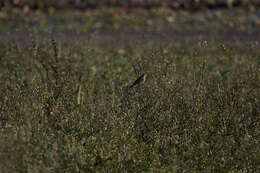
{"x":69,"y":107}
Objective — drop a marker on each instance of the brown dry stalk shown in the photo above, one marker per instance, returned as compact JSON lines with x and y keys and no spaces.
{"x":55,"y":65}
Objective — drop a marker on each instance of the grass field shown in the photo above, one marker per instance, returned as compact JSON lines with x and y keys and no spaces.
{"x":66,"y":104}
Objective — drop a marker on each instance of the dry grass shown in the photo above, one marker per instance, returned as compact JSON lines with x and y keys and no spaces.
{"x":70,"y":109}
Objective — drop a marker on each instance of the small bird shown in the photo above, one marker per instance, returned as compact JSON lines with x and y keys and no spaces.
{"x":139,"y":80}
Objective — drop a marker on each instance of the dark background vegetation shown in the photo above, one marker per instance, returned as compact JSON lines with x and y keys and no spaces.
{"x":65,"y":101}
{"x":81,"y":4}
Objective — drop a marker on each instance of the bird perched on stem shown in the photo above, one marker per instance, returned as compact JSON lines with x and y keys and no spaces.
{"x":139,"y":80}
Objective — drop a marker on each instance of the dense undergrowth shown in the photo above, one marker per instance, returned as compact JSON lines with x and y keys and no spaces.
{"x":83,"y":4}
{"x":70,"y":108}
